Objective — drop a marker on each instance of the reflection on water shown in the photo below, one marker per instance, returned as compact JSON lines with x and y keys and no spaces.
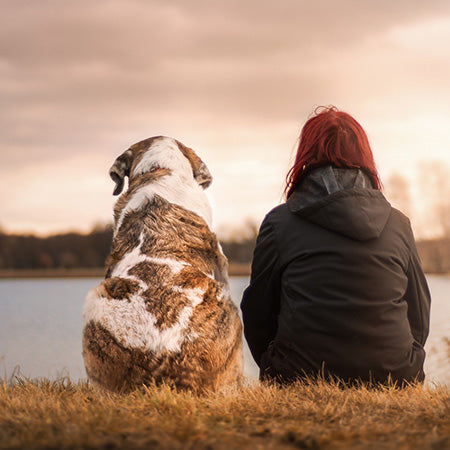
{"x":40,"y":327}
{"x":437,"y":363}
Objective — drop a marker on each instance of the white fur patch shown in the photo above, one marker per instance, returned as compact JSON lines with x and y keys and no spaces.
{"x":195,"y":295}
{"x":130,"y":322}
{"x":133,"y":326}
{"x":164,"y":153}
{"x":129,"y":260}
{"x":135,"y":257}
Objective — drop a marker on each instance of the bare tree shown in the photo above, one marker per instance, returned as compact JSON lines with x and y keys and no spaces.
{"x":397,"y":191}
{"x":435,"y":184}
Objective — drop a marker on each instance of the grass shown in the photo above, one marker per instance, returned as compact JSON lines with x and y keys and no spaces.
{"x":62,"y":414}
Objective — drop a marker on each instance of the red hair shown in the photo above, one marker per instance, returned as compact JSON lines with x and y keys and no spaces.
{"x":331,"y":137}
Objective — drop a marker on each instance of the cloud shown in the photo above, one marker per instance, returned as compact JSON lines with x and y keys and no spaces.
{"x":81,"y":81}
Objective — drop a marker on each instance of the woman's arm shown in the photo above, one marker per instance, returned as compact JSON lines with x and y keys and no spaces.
{"x":417,"y":297}
{"x":261,"y":300}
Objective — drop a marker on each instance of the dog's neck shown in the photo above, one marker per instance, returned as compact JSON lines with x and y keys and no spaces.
{"x":168,"y":185}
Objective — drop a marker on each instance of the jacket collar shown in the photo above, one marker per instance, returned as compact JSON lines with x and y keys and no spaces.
{"x":343,"y":201}
{"x":324,"y":181}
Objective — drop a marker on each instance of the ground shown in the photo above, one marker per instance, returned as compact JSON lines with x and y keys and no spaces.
{"x":62,"y":414}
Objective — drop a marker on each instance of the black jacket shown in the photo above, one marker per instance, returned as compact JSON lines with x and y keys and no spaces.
{"x":336,"y":285}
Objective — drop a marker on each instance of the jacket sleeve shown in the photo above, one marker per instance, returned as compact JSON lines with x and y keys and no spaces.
{"x":417,"y":297}
{"x":261,"y":300}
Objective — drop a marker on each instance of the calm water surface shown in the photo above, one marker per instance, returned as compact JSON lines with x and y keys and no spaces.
{"x":41,"y":321}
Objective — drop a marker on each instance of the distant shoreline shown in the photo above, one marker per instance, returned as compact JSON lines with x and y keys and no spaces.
{"x":235,"y":269}
{"x":94,"y":272}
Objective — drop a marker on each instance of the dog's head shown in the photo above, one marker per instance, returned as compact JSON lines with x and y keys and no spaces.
{"x":155,"y":153}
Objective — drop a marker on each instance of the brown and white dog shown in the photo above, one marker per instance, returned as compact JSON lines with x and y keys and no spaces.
{"x":164,"y":311}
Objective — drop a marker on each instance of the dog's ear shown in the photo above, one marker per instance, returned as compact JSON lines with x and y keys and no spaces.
{"x":119,"y":170}
{"x":201,"y":173}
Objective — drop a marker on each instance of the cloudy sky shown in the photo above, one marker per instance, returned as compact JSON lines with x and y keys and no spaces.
{"x":235,"y":80}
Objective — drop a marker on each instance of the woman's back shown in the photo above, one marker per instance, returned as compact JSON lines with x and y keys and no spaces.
{"x":343,"y":255}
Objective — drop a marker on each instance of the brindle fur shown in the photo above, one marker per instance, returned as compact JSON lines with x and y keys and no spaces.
{"x":211,"y":352}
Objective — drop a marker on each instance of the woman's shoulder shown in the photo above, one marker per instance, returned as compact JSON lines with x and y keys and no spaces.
{"x":276,"y":214}
{"x":279,"y":222}
{"x":399,"y":225}
{"x":399,"y":219}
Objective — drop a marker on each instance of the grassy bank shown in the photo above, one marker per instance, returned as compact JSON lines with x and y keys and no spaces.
{"x":93,"y":272}
{"x":235,"y":269}
{"x":316,"y":415}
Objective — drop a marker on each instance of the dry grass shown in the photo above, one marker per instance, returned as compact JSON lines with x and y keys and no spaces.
{"x":57,"y":415}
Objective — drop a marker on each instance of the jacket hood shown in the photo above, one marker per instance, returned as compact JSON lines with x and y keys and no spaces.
{"x":341,"y":200}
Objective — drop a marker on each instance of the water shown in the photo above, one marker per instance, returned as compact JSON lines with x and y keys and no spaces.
{"x":41,"y":321}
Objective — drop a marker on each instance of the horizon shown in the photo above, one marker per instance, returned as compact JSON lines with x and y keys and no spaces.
{"x":233,"y":81}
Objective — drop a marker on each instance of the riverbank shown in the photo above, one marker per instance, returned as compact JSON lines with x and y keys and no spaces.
{"x":235,"y":269}
{"x":94,"y":272}
{"x":316,"y":415}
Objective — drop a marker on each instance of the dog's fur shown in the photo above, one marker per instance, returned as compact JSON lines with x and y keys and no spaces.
{"x":164,"y":311}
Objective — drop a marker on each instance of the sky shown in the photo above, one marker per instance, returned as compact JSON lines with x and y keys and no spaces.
{"x":235,"y":80}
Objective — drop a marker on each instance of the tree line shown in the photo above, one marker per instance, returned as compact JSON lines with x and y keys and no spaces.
{"x":77,"y":250}
{"x":68,"y":250}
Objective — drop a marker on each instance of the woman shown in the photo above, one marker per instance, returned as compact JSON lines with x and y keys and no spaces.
{"x":336,"y":288}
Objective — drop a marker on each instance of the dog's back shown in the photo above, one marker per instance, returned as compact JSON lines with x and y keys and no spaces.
{"x":164,"y":311}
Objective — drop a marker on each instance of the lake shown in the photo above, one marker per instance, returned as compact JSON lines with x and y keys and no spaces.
{"x":41,"y":321}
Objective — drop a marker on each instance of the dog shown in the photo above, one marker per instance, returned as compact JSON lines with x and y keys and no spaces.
{"x":163,"y":313}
